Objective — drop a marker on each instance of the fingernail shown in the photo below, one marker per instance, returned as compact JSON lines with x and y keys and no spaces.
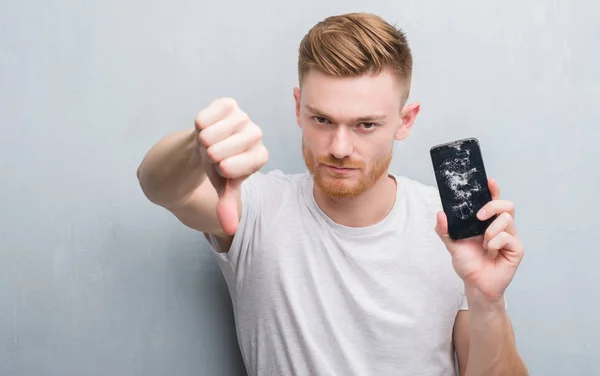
{"x":482,"y":213}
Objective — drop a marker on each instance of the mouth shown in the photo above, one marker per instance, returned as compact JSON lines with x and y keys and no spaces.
{"x":340,"y":170}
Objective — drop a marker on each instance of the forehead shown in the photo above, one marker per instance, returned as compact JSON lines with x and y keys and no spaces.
{"x":352,"y":96}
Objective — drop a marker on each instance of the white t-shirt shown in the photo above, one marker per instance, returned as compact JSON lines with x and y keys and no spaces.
{"x":312,"y":297}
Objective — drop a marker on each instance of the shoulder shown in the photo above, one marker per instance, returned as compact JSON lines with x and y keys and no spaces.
{"x":273,"y":181}
{"x":420,"y":203}
{"x":268,"y":192}
{"x":423,"y":196}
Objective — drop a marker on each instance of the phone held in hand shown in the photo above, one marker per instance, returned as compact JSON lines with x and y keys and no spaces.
{"x":462,"y":184}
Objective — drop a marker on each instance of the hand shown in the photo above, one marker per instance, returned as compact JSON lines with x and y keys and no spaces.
{"x":231,"y":148}
{"x":487,"y":262}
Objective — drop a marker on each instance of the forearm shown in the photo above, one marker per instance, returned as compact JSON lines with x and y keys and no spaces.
{"x":492,"y":348}
{"x":172,"y":169}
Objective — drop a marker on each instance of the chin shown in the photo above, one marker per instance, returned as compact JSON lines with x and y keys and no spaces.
{"x":341,"y":187}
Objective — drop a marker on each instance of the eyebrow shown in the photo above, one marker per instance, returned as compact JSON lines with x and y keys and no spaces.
{"x":358,"y":119}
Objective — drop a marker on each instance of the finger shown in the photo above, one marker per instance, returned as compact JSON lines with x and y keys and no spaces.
{"x":244,"y":164}
{"x":441,"y":224}
{"x":494,"y":188}
{"x":496,"y":244}
{"x":506,"y":244}
{"x":216,"y":111}
{"x":223,"y":129}
{"x":496,"y":207}
{"x":235,"y":144}
{"x":227,"y":207}
{"x":504,"y":222}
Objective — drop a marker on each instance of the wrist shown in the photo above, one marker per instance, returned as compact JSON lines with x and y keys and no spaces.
{"x":479,"y":301}
{"x":192,"y":152}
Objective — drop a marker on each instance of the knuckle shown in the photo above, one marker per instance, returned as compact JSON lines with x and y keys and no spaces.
{"x":212,"y":154}
{"x":240,"y":120}
{"x":265,"y":155}
{"x":259,"y":132}
{"x":488,"y":234}
{"x":262,"y":156}
{"x":255,"y":133}
{"x":499,"y":240}
{"x":198,"y":121}
{"x":243,"y":117}
{"x":204,"y":139}
{"x":225,"y":169}
{"x":228,"y":102}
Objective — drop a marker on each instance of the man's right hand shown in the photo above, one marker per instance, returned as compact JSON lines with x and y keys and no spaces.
{"x":230,"y":146}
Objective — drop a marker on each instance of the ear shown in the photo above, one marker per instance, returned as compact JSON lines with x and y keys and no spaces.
{"x":297,"y":100}
{"x":409,"y":114}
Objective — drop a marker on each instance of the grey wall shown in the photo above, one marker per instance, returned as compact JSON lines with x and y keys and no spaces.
{"x":94,"y":280}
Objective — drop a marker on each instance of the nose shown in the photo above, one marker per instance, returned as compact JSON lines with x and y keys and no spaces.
{"x":341,"y":145}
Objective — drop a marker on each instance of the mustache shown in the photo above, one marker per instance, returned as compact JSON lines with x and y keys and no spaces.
{"x":339,"y":163}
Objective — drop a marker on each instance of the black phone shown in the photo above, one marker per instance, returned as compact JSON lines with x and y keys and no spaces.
{"x":463,"y":186}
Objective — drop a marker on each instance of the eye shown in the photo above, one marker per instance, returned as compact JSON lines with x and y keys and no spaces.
{"x":320,"y":120}
{"x":368,"y":126}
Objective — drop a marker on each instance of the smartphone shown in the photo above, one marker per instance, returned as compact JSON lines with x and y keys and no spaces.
{"x":463,"y":186}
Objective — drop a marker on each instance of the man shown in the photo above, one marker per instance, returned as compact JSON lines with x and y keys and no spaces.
{"x":339,"y":271}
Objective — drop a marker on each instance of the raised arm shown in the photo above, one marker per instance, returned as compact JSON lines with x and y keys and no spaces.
{"x":196,"y":174}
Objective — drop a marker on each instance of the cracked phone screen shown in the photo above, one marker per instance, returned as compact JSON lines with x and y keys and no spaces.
{"x":462,"y":184}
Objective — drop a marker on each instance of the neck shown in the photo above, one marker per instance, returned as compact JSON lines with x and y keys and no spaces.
{"x":367,"y":209}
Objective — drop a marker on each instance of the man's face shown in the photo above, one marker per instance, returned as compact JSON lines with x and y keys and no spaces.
{"x":349,"y":126}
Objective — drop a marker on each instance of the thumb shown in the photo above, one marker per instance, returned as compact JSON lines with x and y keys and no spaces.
{"x":441,"y":228}
{"x":227,"y":207}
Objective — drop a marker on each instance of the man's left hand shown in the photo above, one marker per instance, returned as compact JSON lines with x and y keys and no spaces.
{"x":487,"y":262}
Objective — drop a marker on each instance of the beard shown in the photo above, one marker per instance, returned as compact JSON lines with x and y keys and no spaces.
{"x":340,"y":185}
